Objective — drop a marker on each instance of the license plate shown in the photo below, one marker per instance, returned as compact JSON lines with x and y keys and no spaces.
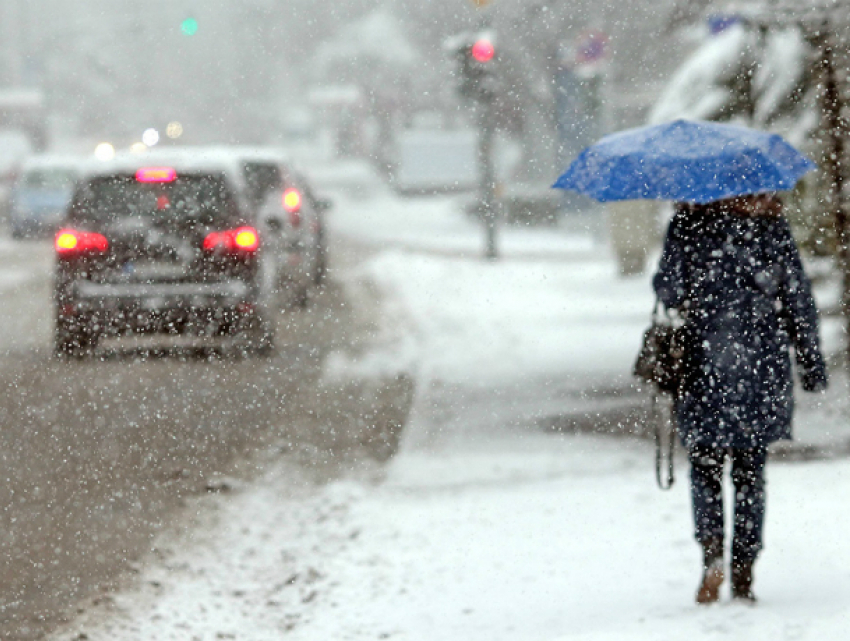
{"x":153,"y":303}
{"x":158,"y":271}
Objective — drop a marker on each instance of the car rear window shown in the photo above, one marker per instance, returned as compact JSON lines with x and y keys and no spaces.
{"x":261,"y":178}
{"x":202,"y":199}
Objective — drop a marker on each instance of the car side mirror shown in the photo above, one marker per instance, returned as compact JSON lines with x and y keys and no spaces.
{"x":324,"y":204}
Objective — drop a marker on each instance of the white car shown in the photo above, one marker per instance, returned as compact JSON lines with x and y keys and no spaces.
{"x":289,"y":217}
{"x":41,"y":195}
{"x":15,"y":147}
{"x":292,"y":222}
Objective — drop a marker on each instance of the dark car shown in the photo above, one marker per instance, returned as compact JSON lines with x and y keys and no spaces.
{"x":159,"y":249}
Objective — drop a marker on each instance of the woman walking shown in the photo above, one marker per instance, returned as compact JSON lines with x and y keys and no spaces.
{"x":732,"y":269}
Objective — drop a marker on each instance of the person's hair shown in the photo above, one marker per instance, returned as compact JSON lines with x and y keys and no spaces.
{"x":754,"y":206}
{"x":750,"y":206}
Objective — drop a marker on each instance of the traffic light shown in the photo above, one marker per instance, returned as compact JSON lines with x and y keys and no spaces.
{"x":189,"y":27}
{"x":477,"y":56}
{"x":483,"y":51}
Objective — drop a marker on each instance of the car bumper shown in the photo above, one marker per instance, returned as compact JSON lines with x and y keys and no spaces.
{"x":195,"y":308}
{"x":160,"y":296}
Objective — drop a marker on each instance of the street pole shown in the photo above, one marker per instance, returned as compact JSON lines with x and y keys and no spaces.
{"x":835,"y":169}
{"x":487,"y":177}
{"x":486,"y":131}
{"x":476,"y":53}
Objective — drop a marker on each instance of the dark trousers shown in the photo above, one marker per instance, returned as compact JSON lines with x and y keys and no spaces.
{"x":706,"y":488}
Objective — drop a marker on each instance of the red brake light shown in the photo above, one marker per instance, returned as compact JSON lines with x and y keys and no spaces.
{"x":70,"y":242}
{"x":67,"y":241}
{"x":292,"y":204}
{"x":156,"y":175}
{"x":292,"y":200}
{"x":243,"y":239}
{"x":246,"y":239}
{"x":213,"y":240}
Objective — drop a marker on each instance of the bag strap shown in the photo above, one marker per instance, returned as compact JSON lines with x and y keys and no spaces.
{"x":663,"y":483}
{"x":656,"y":310}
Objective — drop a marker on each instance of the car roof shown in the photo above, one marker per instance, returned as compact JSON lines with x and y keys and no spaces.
{"x":292,"y":173}
{"x":241,"y":154}
{"x":244,"y":153}
{"x":186,"y":160}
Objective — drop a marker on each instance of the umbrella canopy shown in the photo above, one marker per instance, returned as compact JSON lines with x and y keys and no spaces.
{"x":696,"y":162}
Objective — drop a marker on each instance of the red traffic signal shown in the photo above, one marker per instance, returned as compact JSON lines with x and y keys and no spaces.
{"x":483,"y":50}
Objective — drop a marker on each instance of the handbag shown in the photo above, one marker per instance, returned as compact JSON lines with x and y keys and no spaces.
{"x":661,"y":360}
{"x":661,"y":363}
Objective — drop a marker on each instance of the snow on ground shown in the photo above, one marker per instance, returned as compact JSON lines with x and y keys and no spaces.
{"x":10,"y":278}
{"x":438,"y":225}
{"x":581,"y":546}
{"x":15,"y":272}
{"x":565,"y":540}
{"x":551,"y":305}
{"x":485,"y":526}
{"x":470,"y":321}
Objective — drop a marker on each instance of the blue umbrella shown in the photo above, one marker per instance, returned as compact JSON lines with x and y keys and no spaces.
{"x":696,"y":162}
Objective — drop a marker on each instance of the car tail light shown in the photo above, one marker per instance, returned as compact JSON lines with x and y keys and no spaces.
{"x":156,"y":175}
{"x":241,"y":240}
{"x":292,"y":205}
{"x":70,"y":242}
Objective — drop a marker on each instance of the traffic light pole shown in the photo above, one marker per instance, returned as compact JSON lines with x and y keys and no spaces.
{"x":478,"y":84}
{"x":487,"y":175}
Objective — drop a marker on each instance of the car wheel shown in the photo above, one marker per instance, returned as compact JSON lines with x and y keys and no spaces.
{"x":256,"y":337}
{"x":263,"y":337}
{"x":72,"y":341}
{"x":264,"y":346}
{"x":321,"y":270}
{"x":66,"y":346}
{"x":301,"y":296}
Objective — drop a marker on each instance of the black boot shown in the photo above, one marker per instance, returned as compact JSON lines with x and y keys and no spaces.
{"x":742,"y":581}
{"x":712,"y":571}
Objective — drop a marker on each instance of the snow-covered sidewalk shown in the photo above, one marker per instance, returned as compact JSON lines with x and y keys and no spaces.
{"x":485,"y":526}
{"x":558,"y":538}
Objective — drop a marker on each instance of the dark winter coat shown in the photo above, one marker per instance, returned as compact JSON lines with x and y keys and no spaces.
{"x":747,"y":302}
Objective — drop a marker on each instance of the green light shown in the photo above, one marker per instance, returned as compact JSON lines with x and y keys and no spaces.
{"x":189,"y":27}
